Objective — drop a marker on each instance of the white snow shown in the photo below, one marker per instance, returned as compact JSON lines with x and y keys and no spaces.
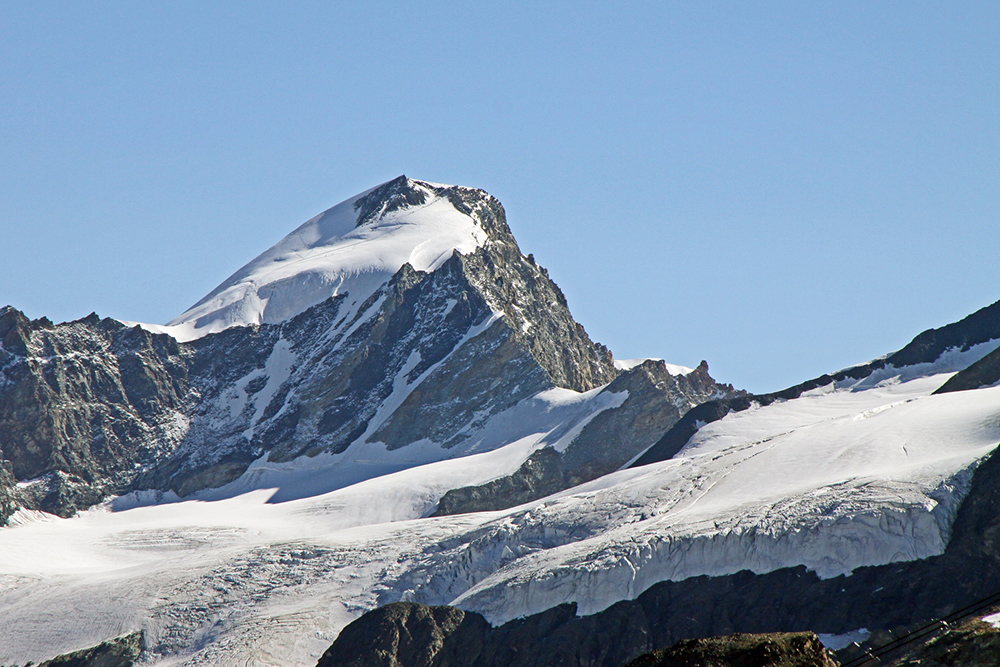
{"x":269,"y":570}
{"x":837,"y":642}
{"x":327,"y":256}
{"x":992,"y":619}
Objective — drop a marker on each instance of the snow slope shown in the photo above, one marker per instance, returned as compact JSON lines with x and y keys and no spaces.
{"x":329,"y":255}
{"x":833,"y":480}
{"x":836,"y":479}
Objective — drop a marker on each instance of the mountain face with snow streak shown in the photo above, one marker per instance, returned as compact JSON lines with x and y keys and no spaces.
{"x":385,"y":332}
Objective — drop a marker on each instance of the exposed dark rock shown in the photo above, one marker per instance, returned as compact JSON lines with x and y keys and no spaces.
{"x":392,"y":196}
{"x":10,"y":498}
{"x":92,"y":400}
{"x":415,"y":635}
{"x":656,"y":401}
{"x":983,"y":373}
{"x":384,"y":637}
{"x":119,"y":652}
{"x":794,"y":649}
{"x":409,"y":634}
{"x":979,"y":327}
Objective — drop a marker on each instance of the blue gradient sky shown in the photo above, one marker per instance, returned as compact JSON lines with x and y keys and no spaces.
{"x":782,"y":189}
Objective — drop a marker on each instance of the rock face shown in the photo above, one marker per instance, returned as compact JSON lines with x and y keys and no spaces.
{"x":415,"y":635}
{"x":84,"y":404}
{"x":409,"y":634}
{"x":119,"y":652}
{"x":94,"y":407}
{"x":796,"y":649}
{"x":465,"y":639}
{"x":983,"y":373}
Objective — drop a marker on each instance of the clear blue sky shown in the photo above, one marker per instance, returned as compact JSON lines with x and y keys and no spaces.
{"x":782,"y":189}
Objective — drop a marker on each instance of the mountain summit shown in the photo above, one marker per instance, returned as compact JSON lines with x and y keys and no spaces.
{"x":352,"y":248}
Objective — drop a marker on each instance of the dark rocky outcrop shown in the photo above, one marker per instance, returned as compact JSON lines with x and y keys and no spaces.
{"x":396,"y":194}
{"x":656,"y":401}
{"x":10,"y":498}
{"x":793,"y":649}
{"x":972,"y":644}
{"x":414,"y":635}
{"x":84,"y":404}
{"x":409,"y":634}
{"x":980,"y":327}
{"x":383,"y":638}
{"x":119,"y":652}
{"x":983,"y":373}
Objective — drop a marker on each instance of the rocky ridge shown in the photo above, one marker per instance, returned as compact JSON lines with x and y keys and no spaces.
{"x":791,"y":649}
{"x":416,"y":635}
{"x":121,"y":651}
{"x":979,"y":331}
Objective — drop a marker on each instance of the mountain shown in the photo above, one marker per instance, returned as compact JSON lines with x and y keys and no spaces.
{"x":392,"y":408}
{"x":384,"y":332}
{"x":400,"y":328}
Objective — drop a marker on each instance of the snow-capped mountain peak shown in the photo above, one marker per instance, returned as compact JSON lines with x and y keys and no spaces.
{"x":352,"y":249}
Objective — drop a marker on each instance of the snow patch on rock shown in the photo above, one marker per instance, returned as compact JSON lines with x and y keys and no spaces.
{"x":629,"y":364}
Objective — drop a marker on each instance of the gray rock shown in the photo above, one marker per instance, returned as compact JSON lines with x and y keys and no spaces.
{"x":92,"y":400}
{"x":983,"y":373}
{"x":122,"y":651}
{"x":410,"y":634}
{"x":780,"y":649}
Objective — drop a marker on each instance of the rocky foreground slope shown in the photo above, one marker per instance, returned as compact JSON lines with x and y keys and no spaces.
{"x":421,"y":636}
